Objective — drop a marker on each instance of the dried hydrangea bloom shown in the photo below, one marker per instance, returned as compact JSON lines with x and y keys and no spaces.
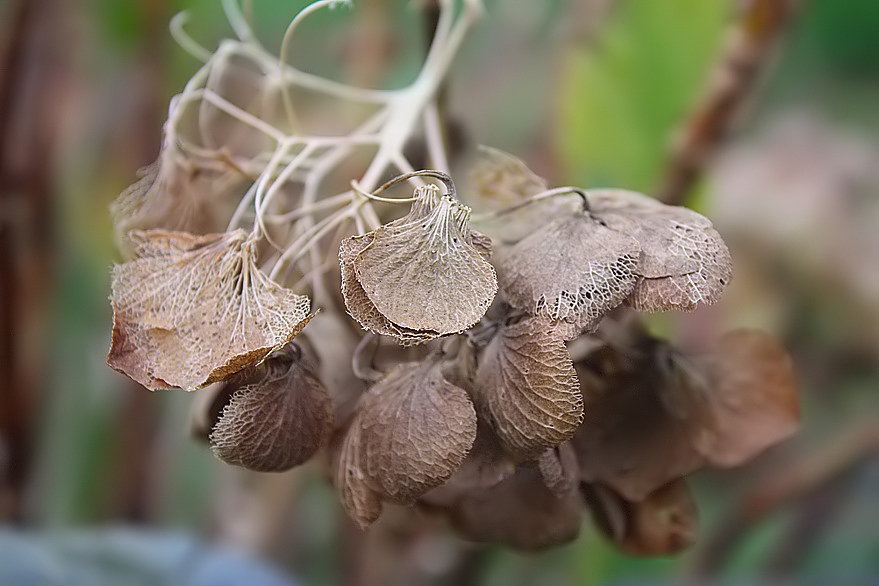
{"x":279,"y":417}
{"x":663,"y":523}
{"x":174,"y":193}
{"x":191,"y":310}
{"x":574,"y":269}
{"x":412,"y":431}
{"x":425,"y":275}
{"x":519,"y":511}
{"x":750,"y":393}
{"x":527,"y":388}
{"x":636,"y":431}
{"x":683,"y":262}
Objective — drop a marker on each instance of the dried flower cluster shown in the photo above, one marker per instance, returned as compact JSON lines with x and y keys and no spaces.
{"x":474,"y":374}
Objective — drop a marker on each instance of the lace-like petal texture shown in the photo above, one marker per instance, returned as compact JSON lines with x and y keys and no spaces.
{"x":574,"y":269}
{"x":277,"y":422}
{"x":191,"y":310}
{"x":683,"y":259}
{"x":527,"y":388}
{"x":425,"y":275}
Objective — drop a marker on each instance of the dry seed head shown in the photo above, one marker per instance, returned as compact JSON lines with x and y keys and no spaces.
{"x":424,"y":273}
{"x":683,"y":259}
{"x":527,"y":388}
{"x":416,"y":429}
{"x":277,"y":422}
{"x":191,"y":310}
{"x":573,"y":269}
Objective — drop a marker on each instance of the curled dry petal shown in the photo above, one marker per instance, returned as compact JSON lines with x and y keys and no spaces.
{"x":425,"y":274}
{"x":683,"y":259}
{"x":663,"y":523}
{"x":527,"y":388}
{"x":636,"y":434}
{"x":192,"y":310}
{"x":362,"y":504}
{"x":751,"y":392}
{"x":559,"y":468}
{"x":573,"y":269}
{"x":278,"y":421}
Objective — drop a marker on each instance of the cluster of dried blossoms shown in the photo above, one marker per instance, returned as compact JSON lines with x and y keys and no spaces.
{"x":475,"y":374}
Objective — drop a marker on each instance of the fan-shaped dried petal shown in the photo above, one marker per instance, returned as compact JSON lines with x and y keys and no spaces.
{"x":683,"y":259}
{"x":277,"y":422}
{"x":191,"y":310}
{"x":361,"y":503}
{"x":520,"y":511}
{"x":424,"y":272}
{"x":632,"y":438}
{"x":416,"y":428}
{"x":663,"y":523}
{"x":751,"y":392}
{"x":527,"y":388}
{"x":573,"y":269}
{"x":358,"y":303}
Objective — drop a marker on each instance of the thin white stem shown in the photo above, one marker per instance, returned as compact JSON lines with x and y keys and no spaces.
{"x":283,"y":177}
{"x":333,"y":201}
{"x":239,"y":23}
{"x":433,"y":135}
{"x":242,"y":115}
{"x":309,"y":238}
{"x":555,"y":192}
{"x":187,"y":43}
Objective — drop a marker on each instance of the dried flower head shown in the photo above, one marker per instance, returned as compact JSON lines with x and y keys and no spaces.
{"x":191,"y":310}
{"x":683,"y":259}
{"x":412,"y":431}
{"x":574,"y":269}
{"x":422,"y":276}
{"x":527,"y":389}
{"x":279,"y":417}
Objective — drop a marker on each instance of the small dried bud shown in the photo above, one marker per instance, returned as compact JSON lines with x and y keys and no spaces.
{"x":527,"y":388}
{"x":191,"y":310}
{"x":422,"y":276}
{"x":573,"y":269}
{"x":278,"y":419}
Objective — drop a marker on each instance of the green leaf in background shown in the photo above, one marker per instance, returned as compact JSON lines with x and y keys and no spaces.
{"x":623,"y":95}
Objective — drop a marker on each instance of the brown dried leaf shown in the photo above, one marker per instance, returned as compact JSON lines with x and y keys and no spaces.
{"x":416,"y":429}
{"x":684,"y":261}
{"x":573,"y":269}
{"x":423,"y":272}
{"x":279,"y":418}
{"x":192,"y":310}
{"x":663,"y":523}
{"x":751,"y":392}
{"x":520,"y":511}
{"x":636,"y":434}
{"x":527,"y":388}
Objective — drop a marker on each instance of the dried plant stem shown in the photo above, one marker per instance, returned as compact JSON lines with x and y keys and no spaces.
{"x":549,"y":193}
{"x":745,"y":55}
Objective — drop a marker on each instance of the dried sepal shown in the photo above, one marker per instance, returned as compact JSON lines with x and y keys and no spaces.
{"x":191,"y":310}
{"x":423,"y":276}
{"x":527,"y":388}
{"x":750,"y":392}
{"x":278,"y":419}
{"x":683,"y":261}
{"x":362,"y":504}
{"x":663,"y":523}
{"x":637,"y":425}
{"x":573,"y":270}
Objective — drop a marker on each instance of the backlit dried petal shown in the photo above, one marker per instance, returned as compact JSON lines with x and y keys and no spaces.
{"x":527,"y":388}
{"x":278,"y":421}
{"x":423,"y":272}
{"x":416,"y":429}
{"x":499,"y":177}
{"x":751,"y":392}
{"x":663,"y":523}
{"x":191,"y":310}
{"x":573,"y":269}
{"x":683,"y":259}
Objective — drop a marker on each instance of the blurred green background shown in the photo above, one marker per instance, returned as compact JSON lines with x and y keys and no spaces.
{"x":590,"y":92}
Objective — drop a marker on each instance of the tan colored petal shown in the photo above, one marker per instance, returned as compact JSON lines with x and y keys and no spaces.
{"x":500,"y":178}
{"x":683,"y":262}
{"x":362,"y":504}
{"x":416,"y":430}
{"x":751,"y":392}
{"x":278,"y":421}
{"x":573,"y":269}
{"x":192,"y":310}
{"x":527,"y":388}
{"x":423,"y":272}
